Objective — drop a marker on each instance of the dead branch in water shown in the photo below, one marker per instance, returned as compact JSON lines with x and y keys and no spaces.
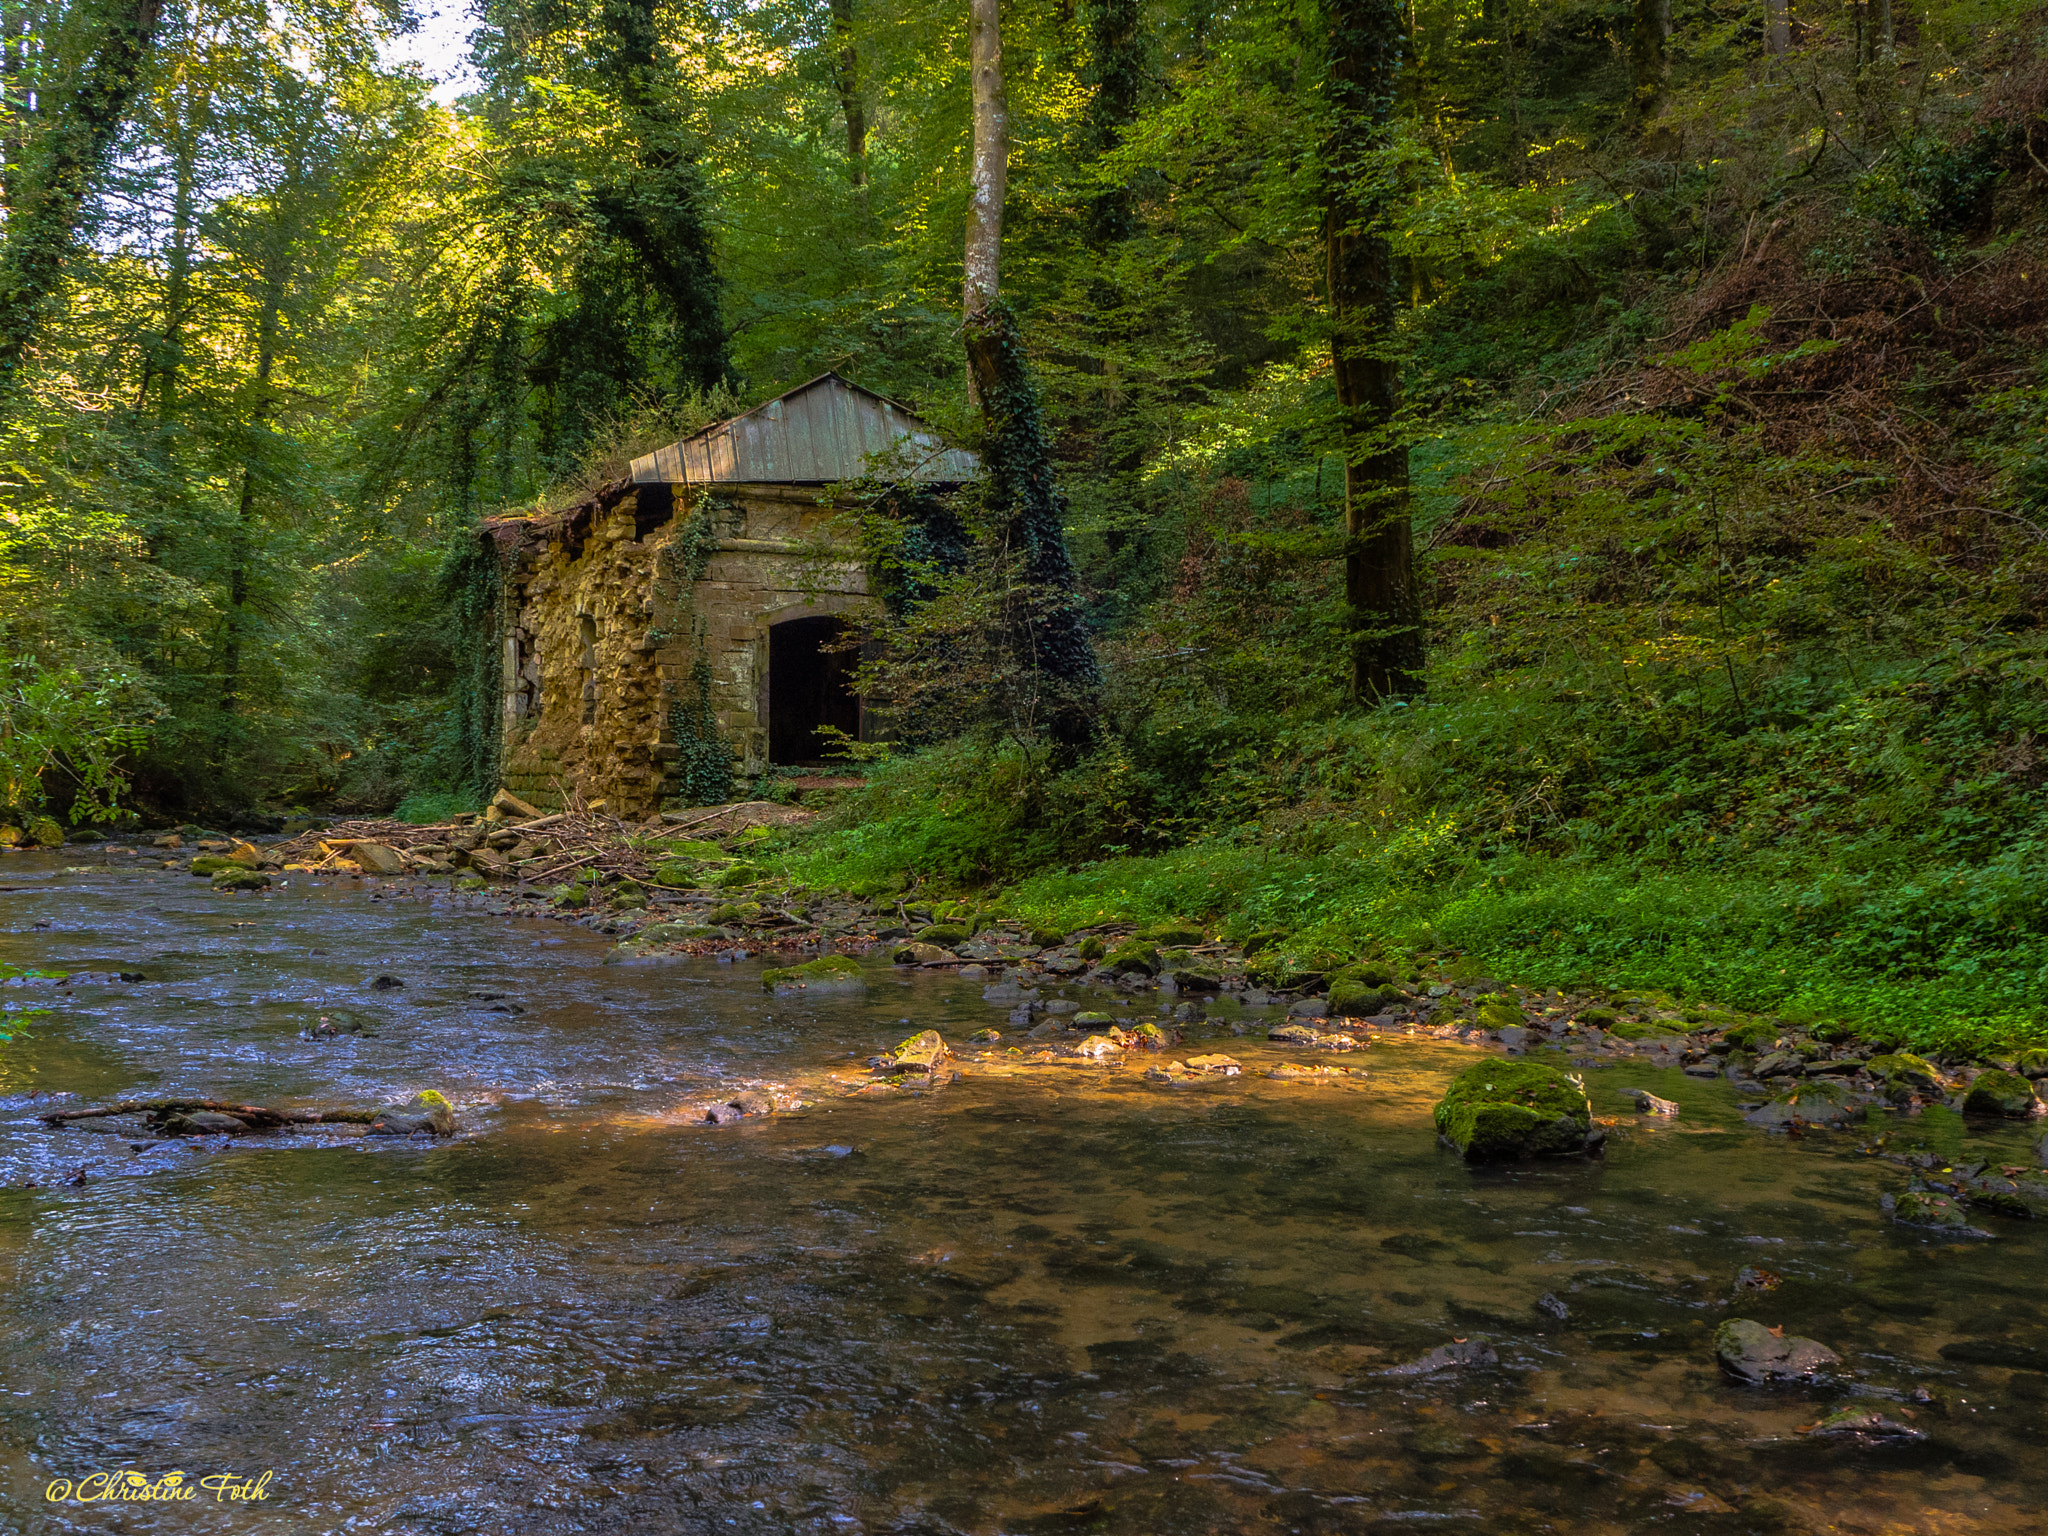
{"x":256,"y":1116}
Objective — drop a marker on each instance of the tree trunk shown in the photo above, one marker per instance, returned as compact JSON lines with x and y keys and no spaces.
{"x":53,"y":185}
{"x":847,"y":78}
{"x":1384,"y":606}
{"x":1649,"y":64}
{"x":167,"y":360}
{"x":1117,"y":71}
{"x":1777,"y":27}
{"x":242,"y":540}
{"x":990,"y":170}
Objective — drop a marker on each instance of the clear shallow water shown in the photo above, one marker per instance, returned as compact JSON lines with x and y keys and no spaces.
{"x":1063,"y":1300}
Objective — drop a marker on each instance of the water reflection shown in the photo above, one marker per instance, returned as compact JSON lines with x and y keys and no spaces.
{"x":1063,"y":1301}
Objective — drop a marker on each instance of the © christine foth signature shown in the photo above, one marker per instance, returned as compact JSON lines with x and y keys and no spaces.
{"x":130,"y":1487}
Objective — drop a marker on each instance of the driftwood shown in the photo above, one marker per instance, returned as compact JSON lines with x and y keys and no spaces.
{"x":256,"y":1116}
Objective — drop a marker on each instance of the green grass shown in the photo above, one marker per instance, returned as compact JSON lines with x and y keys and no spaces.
{"x":428,"y":806}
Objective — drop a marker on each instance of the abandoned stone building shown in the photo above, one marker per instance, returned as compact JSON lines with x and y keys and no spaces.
{"x":698,"y":603}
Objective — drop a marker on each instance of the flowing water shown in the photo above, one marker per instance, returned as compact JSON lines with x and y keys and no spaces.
{"x":1055,"y":1301}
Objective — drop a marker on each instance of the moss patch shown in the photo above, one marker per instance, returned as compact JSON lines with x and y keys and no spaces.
{"x":1498,"y":1111}
{"x":827,"y":973}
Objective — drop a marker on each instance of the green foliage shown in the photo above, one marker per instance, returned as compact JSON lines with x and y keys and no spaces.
{"x":57,"y":726}
{"x":473,"y":588}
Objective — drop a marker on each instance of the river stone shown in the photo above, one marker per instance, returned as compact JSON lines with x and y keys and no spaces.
{"x":1499,"y":1111}
{"x":1152,"y":1038}
{"x":1133,"y":957}
{"x":921,"y":1053}
{"x":1216,"y":1066}
{"x":1464,"y":1354}
{"x":1937,"y":1212}
{"x":1097,"y":1046}
{"x":1749,"y":1351}
{"x":1866,"y":1425}
{"x":1781,"y":1064}
{"x":2001,"y":1093}
{"x":1647,"y":1103}
{"x":826,"y":976}
{"x":1309,"y":1008}
{"x":201,"y":1122}
{"x":2032,"y":1063}
{"x":1062,"y":1005}
{"x":377,"y":859}
{"x":424,"y":1112}
{"x":1816,"y":1101}
{"x":1902,"y":1074}
{"x":236,"y":878}
{"x":1293,"y":1034}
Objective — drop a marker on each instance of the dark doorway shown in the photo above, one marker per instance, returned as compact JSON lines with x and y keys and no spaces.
{"x":808,"y":686}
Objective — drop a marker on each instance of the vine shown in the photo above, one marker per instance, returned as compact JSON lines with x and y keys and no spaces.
{"x":473,"y":587}
{"x":703,"y":773}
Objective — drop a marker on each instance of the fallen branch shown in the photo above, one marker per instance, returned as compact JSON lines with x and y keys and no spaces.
{"x":257,"y":1116}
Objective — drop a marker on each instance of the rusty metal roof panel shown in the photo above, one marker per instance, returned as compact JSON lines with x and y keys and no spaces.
{"x":819,"y":432}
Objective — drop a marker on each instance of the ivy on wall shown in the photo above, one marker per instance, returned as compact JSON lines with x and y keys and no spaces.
{"x":704,"y":771}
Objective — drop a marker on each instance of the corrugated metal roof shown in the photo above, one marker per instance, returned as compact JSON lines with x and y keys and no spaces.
{"x":819,"y":432}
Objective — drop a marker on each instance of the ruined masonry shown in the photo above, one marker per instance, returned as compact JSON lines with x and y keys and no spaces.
{"x":720,"y":552}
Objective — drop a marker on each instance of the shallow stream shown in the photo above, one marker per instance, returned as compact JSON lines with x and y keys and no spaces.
{"x":1063,"y":1300}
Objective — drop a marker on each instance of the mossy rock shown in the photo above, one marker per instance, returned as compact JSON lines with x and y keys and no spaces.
{"x":1627,"y":1029}
{"x":1192,"y":975}
{"x":738,"y":875}
{"x":1263,"y":940}
{"x":1446,"y":1012}
{"x":1753,"y":1035}
{"x":945,"y":935}
{"x":1353,"y":998}
{"x":2031,"y":1063}
{"x":695,"y":850}
{"x":1502,"y":1111}
{"x":1497,"y":1012}
{"x":211,"y":864}
{"x":676,"y":872}
{"x":45,"y":833}
{"x":1901,"y":1072}
{"x":2001,"y":1202}
{"x":571,"y":897}
{"x":828,"y":973}
{"x":1606,"y":1018}
{"x":236,"y":878}
{"x":2001,"y":1093}
{"x":673,"y":933}
{"x":1292,"y":970}
{"x":470,"y":882}
{"x":1133,"y":957}
{"x":1091,"y":1020}
{"x":1091,"y":948}
{"x":1047,"y":938}
{"x":1368,"y":973}
{"x":1175,"y":932}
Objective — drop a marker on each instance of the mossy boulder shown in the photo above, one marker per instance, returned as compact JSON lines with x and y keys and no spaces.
{"x":1353,"y":997}
{"x":833,"y":974}
{"x":44,"y":833}
{"x":2031,"y":1063}
{"x":1263,"y":940}
{"x":1754,"y":1035}
{"x":571,"y":897}
{"x":211,"y":864}
{"x":1498,"y":1011}
{"x":1047,"y":938}
{"x":1290,"y":970}
{"x":1749,"y":1351}
{"x":943,"y":934}
{"x":1902,"y":1074}
{"x":424,"y":1113}
{"x":738,"y":875}
{"x":1091,"y":948}
{"x":1502,"y":1111}
{"x":236,"y":878}
{"x":676,"y":872}
{"x":1175,"y":932}
{"x":1133,"y":957}
{"x":2001,"y":1093}
{"x":674,"y":933}
{"x":734,"y":912}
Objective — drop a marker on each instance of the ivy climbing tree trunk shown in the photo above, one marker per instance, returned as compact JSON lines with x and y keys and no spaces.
{"x":72,"y":141}
{"x":1384,"y":609}
{"x":1045,"y":622}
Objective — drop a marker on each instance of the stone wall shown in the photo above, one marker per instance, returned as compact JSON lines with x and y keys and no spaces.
{"x":602,"y":631}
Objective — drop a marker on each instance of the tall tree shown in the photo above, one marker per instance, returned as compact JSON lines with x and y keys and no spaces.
{"x":846,"y":80}
{"x":69,"y":147}
{"x":1046,"y":623}
{"x":1649,"y":61}
{"x":1383,"y":603}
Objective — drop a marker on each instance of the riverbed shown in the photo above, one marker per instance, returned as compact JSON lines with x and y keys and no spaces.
{"x":1045,"y":1299}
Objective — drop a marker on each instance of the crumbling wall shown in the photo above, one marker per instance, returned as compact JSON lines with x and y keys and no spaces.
{"x":604,"y":629}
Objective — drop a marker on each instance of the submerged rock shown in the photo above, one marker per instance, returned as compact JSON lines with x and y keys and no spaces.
{"x":377,"y":859}
{"x":1213,"y":1066}
{"x":919,"y":953}
{"x":1462,"y":1354}
{"x":1751,"y":1352}
{"x":1500,"y":1111}
{"x":424,"y":1112}
{"x":1863,"y":1424}
{"x":828,"y":974}
{"x":1935,"y":1211}
{"x":2001,"y":1093}
{"x":201,"y":1122}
